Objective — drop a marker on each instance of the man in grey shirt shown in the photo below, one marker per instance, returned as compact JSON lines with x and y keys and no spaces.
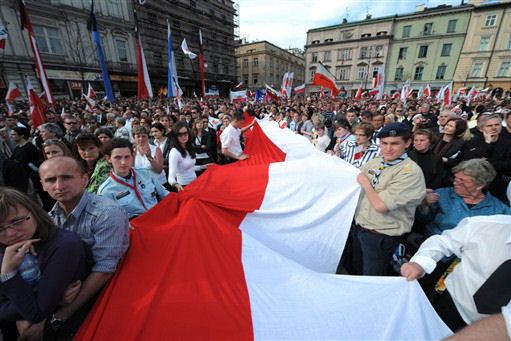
{"x":100,"y":222}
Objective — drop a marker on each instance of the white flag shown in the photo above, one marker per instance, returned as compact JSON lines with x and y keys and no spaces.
{"x":186,"y":50}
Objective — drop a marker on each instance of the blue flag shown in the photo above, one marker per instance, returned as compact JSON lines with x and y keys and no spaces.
{"x":170,"y":84}
{"x":93,"y":28}
{"x":259,"y":97}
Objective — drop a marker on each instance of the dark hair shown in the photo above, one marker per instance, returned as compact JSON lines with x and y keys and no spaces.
{"x":461,"y":126}
{"x":189,"y":147}
{"x":10,"y":198}
{"x":84,"y":140}
{"x":341,"y":122}
{"x":22,"y":131}
{"x":118,"y":143}
{"x":139,"y":130}
{"x":105,"y":131}
{"x":238,"y":115}
{"x":159,"y":126}
{"x":424,"y":132}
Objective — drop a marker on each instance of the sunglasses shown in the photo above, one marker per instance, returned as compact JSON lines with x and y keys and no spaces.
{"x":185,"y":133}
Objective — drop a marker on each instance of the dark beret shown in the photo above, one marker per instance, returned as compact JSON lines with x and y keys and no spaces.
{"x":394,"y":129}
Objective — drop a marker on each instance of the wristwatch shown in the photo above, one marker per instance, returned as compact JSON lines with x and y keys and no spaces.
{"x":7,"y":276}
{"x":55,"y":322}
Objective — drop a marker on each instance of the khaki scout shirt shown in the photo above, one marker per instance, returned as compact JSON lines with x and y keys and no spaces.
{"x":402,"y":188}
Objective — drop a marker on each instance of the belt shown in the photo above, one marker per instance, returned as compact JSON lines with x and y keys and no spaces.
{"x":369,"y":231}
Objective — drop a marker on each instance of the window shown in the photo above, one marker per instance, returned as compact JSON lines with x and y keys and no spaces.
{"x":476,"y":69}
{"x":366,"y":35}
{"x":403,"y":51}
{"x":245,"y":79}
{"x":423,"y":51}
{"x":406,"y":31}
{"x":329,"y":40}
{"x":378,"y":50}
{"x":399,"y":74}
{"x":490,"y":20}
{"x":312,"y":73}
{"x":381,"y":33}
{"x":344,"y":73}
{"x":315,"y":42}
{"x":48,"y":40}
{"x":428,"y":29}
{"x":375,"y":71}
{"x":364,"y":52}
{"x":440,"y":72}
{"x":451,"y":26}
{"x":326,"y":56}
{"x":361,"y":72}
{"x":255,"y":77}
{"x":255,"y":61}
{"x":245,"y":62}
{"x":484,"y":44}
{"x":122,"y":51}
{"x":344,"y":54}
{"x":418,"y":73}
{"x":446,"y":50}
{"x":314,"y":57}
{"x":504,"y":69}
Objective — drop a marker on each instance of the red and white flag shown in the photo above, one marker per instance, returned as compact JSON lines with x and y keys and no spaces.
{"x":447,"y":94}
{"x":12,"y":93}
{"x":324,"y":78}
{"x":404,"y":91}
{"x":300,"y":89}
{"x":287,"y":84}
{"x":471,"y":95}
{"x":144,"y":88}
{"x":396,"y":95}
{"x":358,"y":95}
{"x":37,"y":107}
{"x":41,"y":71}
{"x":3,"y":36}
{"x":427,"y":91}
{"x":249,"y":251}
{"x":90,"y":92}
{"x":238,"y":96}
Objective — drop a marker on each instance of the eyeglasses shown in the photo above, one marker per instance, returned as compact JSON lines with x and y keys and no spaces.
{"x":14,"y":224}
{"x":185,"y":133}
{"x":70,"y":123}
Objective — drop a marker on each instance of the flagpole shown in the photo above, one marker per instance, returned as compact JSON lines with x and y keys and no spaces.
{"x":201,"y":65}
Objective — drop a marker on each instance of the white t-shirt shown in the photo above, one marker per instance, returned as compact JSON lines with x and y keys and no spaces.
{"x":230,"y":139}
{"x":181,"y":169}
{"x":141,"y":161}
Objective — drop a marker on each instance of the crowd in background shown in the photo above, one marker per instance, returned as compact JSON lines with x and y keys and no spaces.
{"x":135,"y":152}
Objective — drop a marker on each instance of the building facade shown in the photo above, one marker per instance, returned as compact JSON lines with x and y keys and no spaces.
{"x":426,"y":47}
{"x":485,"y":59}
{"x":218,"y":22}
{"x":70,"y":58}
{"x":262,"y":62}
{"x":66,"y":47}
{"x":352,"y":52}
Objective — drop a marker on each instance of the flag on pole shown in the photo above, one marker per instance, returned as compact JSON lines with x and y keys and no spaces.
{"x":358,"y":95}
{"x":3,"y":36}
{"x":40,"y":70}
{"x":173,"y":88}
{"x":201,"y":65}
{"x":404,"y":91}
{"x":380,"y":82}
{"x":144,"y":88}
{"x":90,"y":92}
{"x":300,"y":89}
{"x":427,"y":91}
{"x":471,"y":95}
{"x":447,"y":95}
{"x":186,"y":50}
{"x":36,"y":105}
{"x":287,"y":84}
{"x":440,"y":94}
{"x":238,"y":96}
{"x":92,"y":26}
{"x":324,"y":78}
{"x":12,"y":93}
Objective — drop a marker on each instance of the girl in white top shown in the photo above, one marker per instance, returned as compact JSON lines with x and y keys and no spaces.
{"x":182,"y":158}
{"x":322,"y":141}
{"x":148,"y":156}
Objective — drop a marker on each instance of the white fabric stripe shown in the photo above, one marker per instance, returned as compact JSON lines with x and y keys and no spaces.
{"x":289,"y":301}
{"x":42,"y":72}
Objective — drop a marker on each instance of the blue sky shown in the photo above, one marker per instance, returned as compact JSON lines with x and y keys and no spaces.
{"x":285,"y":22}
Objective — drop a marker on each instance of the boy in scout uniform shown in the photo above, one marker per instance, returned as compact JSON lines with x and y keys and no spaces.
{"x":393,"y":186}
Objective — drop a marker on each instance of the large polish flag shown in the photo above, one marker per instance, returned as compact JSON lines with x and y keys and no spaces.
{"x":249,"y":251}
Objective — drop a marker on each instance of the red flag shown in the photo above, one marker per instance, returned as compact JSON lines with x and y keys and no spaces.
{"x":427,"y":91}
{"x":12,"y":93}
{"x":358,"y":95}
{"x":201,"y":66}
{"x":447,"y":94}
{"x":144,"y":89}
{"x":324,"y":78}
{"x":36,"y":106}
{"x":396,"y":95}
{"x":90,"y":92}
{"x":41,"y":72}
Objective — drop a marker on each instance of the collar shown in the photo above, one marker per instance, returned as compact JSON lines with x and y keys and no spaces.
{"x":132,"y":172}
{"x":76,"y":212}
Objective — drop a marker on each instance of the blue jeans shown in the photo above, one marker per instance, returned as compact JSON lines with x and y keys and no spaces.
{"x":373,"y":251}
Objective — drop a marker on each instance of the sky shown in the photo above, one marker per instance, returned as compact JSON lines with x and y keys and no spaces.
{"x":285,"y":22}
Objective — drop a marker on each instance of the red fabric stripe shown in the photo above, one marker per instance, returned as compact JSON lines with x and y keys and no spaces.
{"x":142,"y":92}
{"x":182,"y":277}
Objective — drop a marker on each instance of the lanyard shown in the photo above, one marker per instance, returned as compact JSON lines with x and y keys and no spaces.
{"x":133,"y":187}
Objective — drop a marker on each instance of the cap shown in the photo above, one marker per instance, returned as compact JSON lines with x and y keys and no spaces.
{"x":394,"y":129}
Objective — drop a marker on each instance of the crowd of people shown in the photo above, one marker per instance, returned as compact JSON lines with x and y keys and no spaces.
{"x":69,"y":187}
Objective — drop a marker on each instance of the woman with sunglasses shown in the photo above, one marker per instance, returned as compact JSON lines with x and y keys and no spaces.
{"x":182,"y":159}
{"x":38,"y":263}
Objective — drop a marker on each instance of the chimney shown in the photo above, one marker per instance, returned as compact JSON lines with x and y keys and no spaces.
{"x":420,"y":8}
{"x":368,"y":16}
{"x":344,"y":20}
